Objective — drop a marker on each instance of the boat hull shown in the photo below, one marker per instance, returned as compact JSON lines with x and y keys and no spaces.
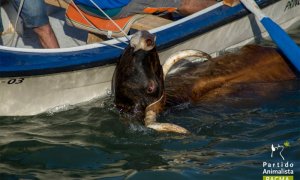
{"x":31,"y":95}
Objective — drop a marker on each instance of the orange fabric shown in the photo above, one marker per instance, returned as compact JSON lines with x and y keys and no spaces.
{"x":103,"y":24}
{"x":151,"y":10}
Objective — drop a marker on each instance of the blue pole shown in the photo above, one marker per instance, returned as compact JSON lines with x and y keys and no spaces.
{"x":283,"y":41}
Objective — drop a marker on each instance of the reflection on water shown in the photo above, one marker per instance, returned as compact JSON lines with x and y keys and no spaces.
{"x":230,"y":140}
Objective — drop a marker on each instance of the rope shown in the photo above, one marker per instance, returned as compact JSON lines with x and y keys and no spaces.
{"x":92,"y":1}
{"x":10,"y":42}
{"x":91,"y":24}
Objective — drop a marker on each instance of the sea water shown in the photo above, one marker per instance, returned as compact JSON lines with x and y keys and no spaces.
{"x":246,"y":136}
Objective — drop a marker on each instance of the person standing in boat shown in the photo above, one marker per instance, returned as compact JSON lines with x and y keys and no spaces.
{"x":34,"y":15}
{"x":123,"y":8}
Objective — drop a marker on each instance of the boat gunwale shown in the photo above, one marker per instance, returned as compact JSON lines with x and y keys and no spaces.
{"x":35,"y":62}
{"x":110,"y":41}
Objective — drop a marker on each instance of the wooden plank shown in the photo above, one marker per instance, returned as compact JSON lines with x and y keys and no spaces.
{"x":149,"y":22}
{"x":231,"y":3}
{"x":146,"y":23}
{"x":93,"y":38}
{"x":58,"y":3}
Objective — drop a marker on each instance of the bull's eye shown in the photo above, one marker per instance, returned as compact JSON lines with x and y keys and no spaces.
{"x":149,"y":42}
{"x":150,"y":90}
{"x":151,"y":87}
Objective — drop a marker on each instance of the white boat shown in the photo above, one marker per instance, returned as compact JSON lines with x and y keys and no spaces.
{"x":34,"y":80}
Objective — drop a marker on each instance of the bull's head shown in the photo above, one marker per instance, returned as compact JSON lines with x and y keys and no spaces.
{"x":138,"y":79}
{"x":138,"y":82}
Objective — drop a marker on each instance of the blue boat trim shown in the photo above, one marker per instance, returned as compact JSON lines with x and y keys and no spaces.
{"x":19,"y":64}
{"x":204,"y":23}
{"x":39,"y":63}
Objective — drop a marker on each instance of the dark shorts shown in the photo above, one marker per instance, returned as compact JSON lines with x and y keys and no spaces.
{"x":34,"y":12}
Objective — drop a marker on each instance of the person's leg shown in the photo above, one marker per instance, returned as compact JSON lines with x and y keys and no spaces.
{"x":34,"y":15}
{"x":46,"y":36}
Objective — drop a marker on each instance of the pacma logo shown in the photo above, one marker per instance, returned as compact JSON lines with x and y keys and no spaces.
{"x":279,"y":148}
{"x":291,"y":4}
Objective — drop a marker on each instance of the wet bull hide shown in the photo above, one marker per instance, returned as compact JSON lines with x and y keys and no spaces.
{"x":217,"y":77}
{"x":139,"y":78}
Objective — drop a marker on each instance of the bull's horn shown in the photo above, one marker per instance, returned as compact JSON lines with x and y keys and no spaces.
{"x":150,"y":122}
{"x":150,"y":117}
{"x":152,"y":109}
{"x":168,"y":127}
{"x":174,"y":58}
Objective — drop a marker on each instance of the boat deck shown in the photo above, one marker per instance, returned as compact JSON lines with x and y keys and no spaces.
{"x":26,"y":38}
{"x":67,"y":36}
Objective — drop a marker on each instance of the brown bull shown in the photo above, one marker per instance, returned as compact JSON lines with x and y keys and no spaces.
{"x":216,"y":77}
{"x":139,"y":81}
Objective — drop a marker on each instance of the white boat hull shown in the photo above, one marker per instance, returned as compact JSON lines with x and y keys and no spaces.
{"x":23,"y":96}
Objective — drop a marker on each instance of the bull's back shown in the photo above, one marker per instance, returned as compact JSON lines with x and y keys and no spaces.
{"x":209,"y":80}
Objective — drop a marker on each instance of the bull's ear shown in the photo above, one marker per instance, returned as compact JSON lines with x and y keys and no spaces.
{"x":149,"y":42}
